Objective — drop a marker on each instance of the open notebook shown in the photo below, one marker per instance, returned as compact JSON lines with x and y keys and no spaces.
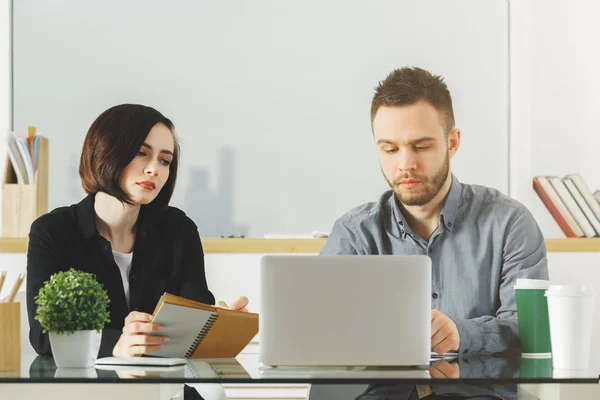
{"x":198,"y":330}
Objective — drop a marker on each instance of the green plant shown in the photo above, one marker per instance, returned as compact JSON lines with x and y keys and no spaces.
{"x":72,"y":301}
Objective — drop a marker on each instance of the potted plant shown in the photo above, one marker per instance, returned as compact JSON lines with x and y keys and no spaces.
{"x":73,"y":308}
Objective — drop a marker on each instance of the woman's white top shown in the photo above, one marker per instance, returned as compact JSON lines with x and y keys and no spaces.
{"x":123,"y":260}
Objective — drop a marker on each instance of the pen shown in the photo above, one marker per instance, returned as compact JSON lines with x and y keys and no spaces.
{"x":16,"y":287}
{"x":2,"y":277}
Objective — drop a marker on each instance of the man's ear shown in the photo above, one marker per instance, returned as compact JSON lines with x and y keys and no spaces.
{"x":453,"y":142}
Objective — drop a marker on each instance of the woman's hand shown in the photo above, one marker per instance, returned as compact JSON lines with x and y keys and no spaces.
{"x":127,"y":374}
{"x":238,"y":305}
{"x":138,"y":336}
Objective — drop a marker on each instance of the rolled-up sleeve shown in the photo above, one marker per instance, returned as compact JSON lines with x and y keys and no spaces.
{"x":523,"y":256}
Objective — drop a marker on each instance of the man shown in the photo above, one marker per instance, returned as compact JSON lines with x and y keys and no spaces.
{"x":479,"y":240}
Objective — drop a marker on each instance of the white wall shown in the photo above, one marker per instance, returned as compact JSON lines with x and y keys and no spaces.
{"x":565,"y":96}
{"x":13,"y":263}
{"x":5,"y":85}
{"x":555,"y":95}
{"x":5,"y":81}
{"x":244,"y":72}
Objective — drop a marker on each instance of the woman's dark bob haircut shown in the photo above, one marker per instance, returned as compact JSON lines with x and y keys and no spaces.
{"x":112,"y":142}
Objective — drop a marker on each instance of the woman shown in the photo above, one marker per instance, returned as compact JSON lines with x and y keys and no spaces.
{"x":123,"y":232}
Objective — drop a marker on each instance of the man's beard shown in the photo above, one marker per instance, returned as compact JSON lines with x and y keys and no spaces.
{"x":425,"y":191}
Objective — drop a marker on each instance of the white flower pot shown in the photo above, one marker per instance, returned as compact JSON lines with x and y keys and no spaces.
{"x":75,"y":350}
{"x":89,"y":373}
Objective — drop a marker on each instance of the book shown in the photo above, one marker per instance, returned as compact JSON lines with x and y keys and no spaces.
{"x":583,"y":204}
{"x":13,"y":154}
{"x":590,"y":198}
{"x":597,"y":196}
{"x":25,"y":160}
{"x":557,"y":209}
{"x":23,"y":156}
{"x":572,"y":206}
{"x":198,"y":330}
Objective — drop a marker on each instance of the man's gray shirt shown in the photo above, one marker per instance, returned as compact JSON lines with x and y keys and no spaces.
{"x":484,"y":242}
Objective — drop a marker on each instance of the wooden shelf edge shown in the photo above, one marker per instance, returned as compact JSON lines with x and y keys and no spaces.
{"x":213,"y":245}
{"x":251,"y":245}
{"x":573,"y":245}
{"x":13,"y":245}
{"x":263,"y":246}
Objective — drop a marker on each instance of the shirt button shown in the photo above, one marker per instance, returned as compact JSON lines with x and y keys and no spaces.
{"x":449,"y":223}
{"x":435,"y":295}
{"x":429,"y":250}
{"x":401,"y":223}
{"x":134,"y":277}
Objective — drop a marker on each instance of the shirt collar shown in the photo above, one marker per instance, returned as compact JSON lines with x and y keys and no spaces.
{"x":447,"y":215}
{"x":453,"y":201}
{"x":86,"y":218}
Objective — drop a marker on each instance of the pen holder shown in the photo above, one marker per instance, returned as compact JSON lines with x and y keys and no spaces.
{"x":23,"y":204}
{"x":10,"y":336}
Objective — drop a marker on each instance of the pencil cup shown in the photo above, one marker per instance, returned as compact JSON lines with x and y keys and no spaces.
{"x":10,"y":336}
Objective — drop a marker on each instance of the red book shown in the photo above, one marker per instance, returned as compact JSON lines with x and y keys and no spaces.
{"x":557,"y":208}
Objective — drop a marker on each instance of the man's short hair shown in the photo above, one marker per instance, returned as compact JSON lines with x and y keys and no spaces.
{"x":112,"y":142}
{"x":408,"y":85}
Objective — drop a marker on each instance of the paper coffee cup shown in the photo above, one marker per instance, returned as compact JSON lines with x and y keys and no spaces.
{"x":570,"y":308}
{"x":532,"y":314}
{"x":535,"y":368}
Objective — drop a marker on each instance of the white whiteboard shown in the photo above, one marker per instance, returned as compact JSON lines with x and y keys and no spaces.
{"x":270,"y":98}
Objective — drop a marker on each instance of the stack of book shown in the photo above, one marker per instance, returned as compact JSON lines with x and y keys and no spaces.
{"x":23,"y":155}
{"x":571,"y":203}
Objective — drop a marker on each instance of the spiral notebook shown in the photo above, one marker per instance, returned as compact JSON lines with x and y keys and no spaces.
{"x":198,"y":330}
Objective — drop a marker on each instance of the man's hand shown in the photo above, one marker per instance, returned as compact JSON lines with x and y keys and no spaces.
{"x":238,"y":305}
{"x":444,"y":333}
{"x":136,"y":339}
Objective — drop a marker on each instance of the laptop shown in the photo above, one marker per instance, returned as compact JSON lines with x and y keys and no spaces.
{"x":345,"y":310}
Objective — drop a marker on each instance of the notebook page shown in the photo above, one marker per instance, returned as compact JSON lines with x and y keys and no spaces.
{"x":182,"y":325}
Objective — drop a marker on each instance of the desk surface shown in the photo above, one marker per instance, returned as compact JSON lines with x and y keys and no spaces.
{"x":506,"y":368}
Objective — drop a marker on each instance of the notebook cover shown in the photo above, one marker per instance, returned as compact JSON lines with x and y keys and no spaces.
{"x":230,"y":333}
